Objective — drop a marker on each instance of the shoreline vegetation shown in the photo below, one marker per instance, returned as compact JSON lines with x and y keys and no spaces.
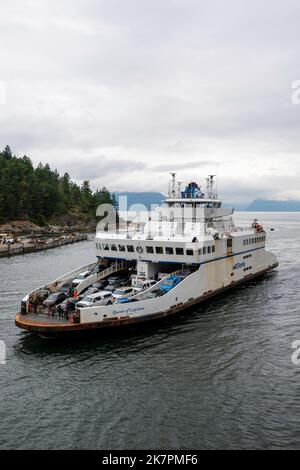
{"x":39,"y":199}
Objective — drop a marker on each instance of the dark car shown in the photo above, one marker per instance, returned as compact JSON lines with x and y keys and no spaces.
{"x":100,"y":285}
{"x":54,"y":299}
{"x":66,"y":288}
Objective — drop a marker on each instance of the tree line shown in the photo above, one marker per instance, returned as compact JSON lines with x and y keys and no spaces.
{"x":41,"y":194}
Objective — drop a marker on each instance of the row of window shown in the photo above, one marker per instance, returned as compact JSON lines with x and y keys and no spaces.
{"x":247,"y":256}
{"x":159,"y":250}
{"x":248,"y":269}
{"x":250,"y":241}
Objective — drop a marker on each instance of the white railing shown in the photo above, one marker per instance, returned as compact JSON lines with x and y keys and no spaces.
{"x":59,"y":281}
{"x":99,"y":276}
{"x":72,"y":274}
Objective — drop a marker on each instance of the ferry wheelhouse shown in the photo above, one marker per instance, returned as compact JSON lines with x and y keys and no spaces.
{"x":182,"y":253}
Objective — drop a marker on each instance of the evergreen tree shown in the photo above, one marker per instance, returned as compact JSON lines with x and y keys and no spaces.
{"x":38,"y":194}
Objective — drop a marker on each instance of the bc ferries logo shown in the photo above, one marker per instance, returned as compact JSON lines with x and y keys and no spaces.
{"x":239,"y":265}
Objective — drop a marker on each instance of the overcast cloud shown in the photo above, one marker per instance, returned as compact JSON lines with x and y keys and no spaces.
{"x":123,"y":91}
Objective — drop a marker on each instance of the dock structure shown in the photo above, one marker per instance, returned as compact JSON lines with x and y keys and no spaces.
{"x":24,"y":248}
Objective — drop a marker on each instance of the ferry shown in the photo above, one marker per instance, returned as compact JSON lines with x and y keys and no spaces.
{"x":184,"y":252}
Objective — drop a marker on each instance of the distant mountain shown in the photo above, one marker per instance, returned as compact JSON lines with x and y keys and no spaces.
{"x":236,"y":206}
{"x":258,"y":205}
{"x":266,"y":205}
{"x":145,"y":198}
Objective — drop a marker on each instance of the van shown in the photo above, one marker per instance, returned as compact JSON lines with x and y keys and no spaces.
{"x":100,"y":298}
{"x":143,"y":285}
{"x":81,"y":277}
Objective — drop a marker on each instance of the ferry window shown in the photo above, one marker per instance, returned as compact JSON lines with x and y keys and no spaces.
{"x":213,"y":249}
{"x":204,"y":250}
{"x":130,"y":248}
{"x":179,"y":251}
{"x":159,"y":250}
{"x":208,"y":249}
{"x":105,"y":246}
{"x":190,"y":252}
{"x":169,"y":250}
{"x":113,"y":248}
{"x":149,"y":249}
{"x":200,"y":252}
{"x":121,"y":248}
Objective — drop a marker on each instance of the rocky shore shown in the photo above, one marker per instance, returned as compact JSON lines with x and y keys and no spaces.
{"x":23,"y":227}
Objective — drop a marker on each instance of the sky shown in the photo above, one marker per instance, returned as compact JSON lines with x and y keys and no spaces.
{"x":122,"y":92}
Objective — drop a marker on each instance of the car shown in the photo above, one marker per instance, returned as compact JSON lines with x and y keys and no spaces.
{"x":110,"y":288}
{"x":142,"y":285}
{"x":170,"y":283}
{"x":100,"y":285}
{"x":81,"y":277}
{"x":123,"y":292}
{"x":101,"y":298}
{"x":113,"y":280}
{"x":152,"y":294}
{"x":54,"y":299}
{"x":90,"y":291}
{"x":66,"y":288}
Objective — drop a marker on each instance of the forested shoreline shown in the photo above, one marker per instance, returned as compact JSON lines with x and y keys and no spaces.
{"x":41,"y":195}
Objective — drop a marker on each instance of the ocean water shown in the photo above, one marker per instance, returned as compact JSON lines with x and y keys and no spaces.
{"x":219,"y":376}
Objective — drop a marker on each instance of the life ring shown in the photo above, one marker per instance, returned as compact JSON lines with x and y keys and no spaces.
{"x":140,"y":250}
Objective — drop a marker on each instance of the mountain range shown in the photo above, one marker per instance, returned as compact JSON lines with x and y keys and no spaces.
{"x":258,"y":205}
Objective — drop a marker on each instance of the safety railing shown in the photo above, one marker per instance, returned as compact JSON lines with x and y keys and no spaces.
{"x":119,"y":266}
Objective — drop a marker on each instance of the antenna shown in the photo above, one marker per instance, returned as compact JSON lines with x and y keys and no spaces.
{"x":173,"y":183}
{"x":179,"y":183}
{"x":211,"y":194}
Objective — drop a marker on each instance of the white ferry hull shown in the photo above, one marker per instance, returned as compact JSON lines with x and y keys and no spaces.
{"x":208,"y":281}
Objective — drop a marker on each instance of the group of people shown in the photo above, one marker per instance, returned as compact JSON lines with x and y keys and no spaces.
{"x":64,"y":312}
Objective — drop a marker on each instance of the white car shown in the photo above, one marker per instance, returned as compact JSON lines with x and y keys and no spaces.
{"x":100,"y":298}
{"x":123,"y":292}
{"x":143,"y":285}
{"x":81,"y":277}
